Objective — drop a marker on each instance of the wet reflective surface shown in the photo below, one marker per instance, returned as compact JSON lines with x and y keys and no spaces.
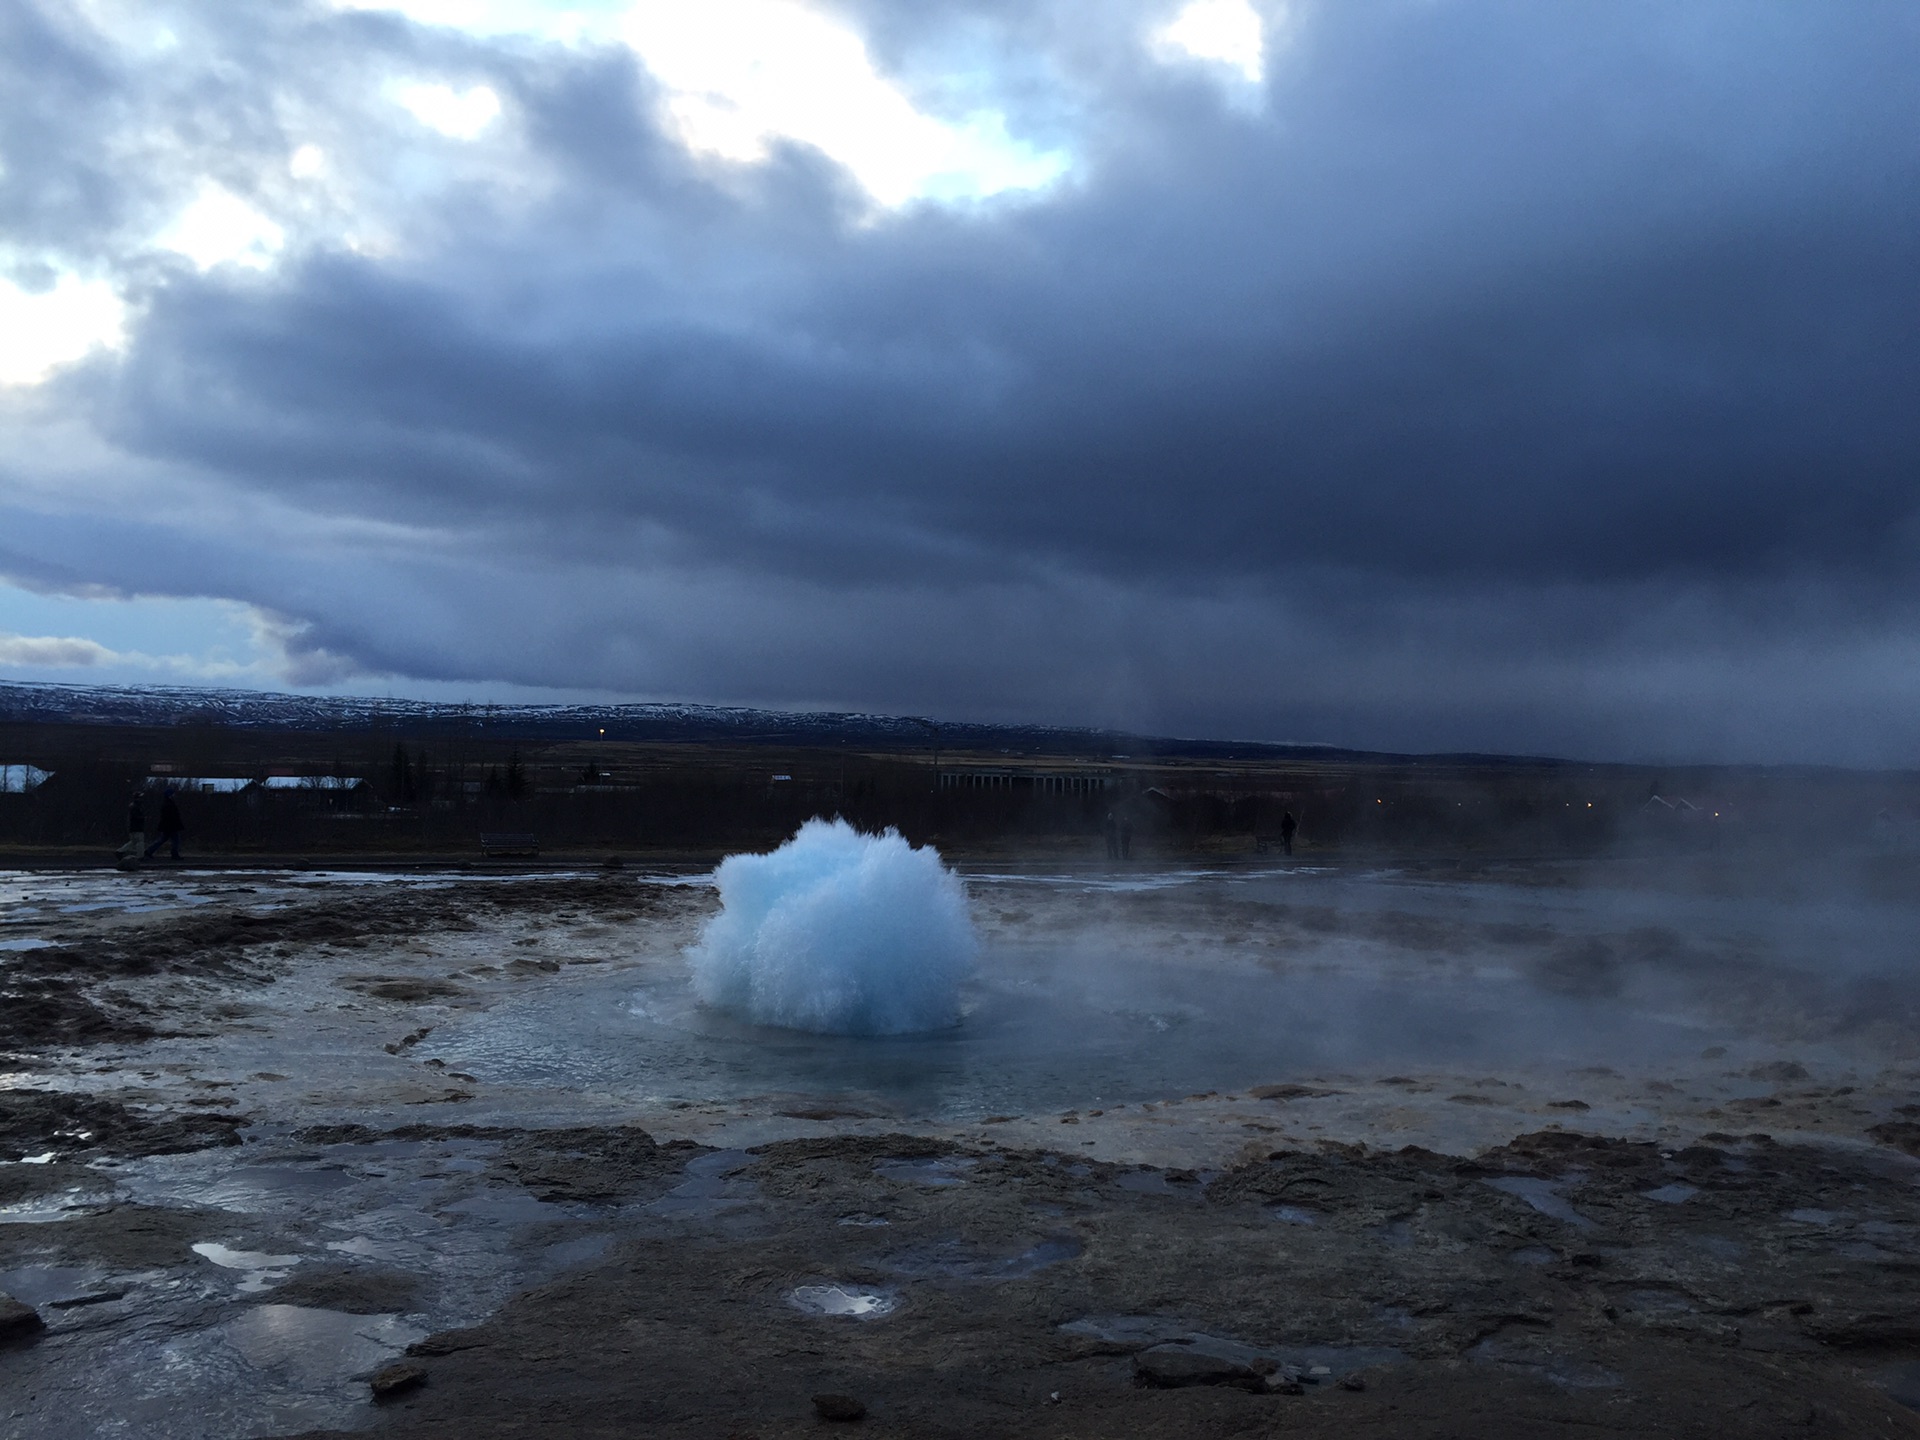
{"x":206,"y":1346}
{"x":285,"y":1269}
{"x":1101,"y":991}
{"x":851,"y":1302}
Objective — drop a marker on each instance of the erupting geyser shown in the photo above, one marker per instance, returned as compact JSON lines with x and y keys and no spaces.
{"x":838,"y":932}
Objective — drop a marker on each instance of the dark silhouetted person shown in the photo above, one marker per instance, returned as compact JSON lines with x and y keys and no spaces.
{"x":1287,"y":826}
{"x":170,"y":826}
{"x":1126,"y":838}
{"x":1112,"y":828}
{"x":136,"y":841}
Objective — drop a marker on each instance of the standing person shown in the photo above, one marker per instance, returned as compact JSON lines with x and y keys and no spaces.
{"x":1112,"y":828}
{"x":170,"y":826}
{"x":1126,"y":837}
{"x":1287,"y":826}
{"x":136,"y":841}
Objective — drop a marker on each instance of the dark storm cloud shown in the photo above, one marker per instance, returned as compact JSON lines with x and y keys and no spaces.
{"x":1511,"y":375}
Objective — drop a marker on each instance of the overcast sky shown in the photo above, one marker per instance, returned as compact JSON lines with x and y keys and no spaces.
{"x":1427,"y":374}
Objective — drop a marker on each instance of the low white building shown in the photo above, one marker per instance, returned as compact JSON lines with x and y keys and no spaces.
{"x":21,"y":779}
{"x":205,"y":784}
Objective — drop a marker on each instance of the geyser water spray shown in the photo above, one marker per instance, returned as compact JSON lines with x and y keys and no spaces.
{"x":838,"y":932}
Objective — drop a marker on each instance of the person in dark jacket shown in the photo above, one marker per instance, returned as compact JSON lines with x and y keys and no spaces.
{"x":170,"y":825}
{"x":1287,"y":826}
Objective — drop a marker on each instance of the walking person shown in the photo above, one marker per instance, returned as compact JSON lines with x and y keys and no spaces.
{"x":1126,"y":837}
{"x":1287,"y":826}
{"x":136,"y":842}
{"x":1111,"y":827}
{"x":170,"y":826}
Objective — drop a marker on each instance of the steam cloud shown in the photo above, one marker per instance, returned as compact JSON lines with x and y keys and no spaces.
{"x":838,"y":932}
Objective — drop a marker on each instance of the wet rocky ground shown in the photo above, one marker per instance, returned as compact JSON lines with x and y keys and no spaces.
{"x":198,"y":1243}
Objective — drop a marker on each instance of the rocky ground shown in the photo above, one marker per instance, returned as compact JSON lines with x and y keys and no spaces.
{"x":371,"y":1240}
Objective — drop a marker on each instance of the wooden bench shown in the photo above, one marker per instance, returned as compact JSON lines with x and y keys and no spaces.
{"x":508,"y":843}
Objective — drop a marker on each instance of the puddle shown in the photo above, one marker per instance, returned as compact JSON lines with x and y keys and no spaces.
{"x":49,"y":1209}
{"x":270,"y":1370}
{"x":863,"y":1222}
{"x":261,"y":1190}
{"x":961,"y":1260}
{"x":1533,"y":1255}
{"x":1141,"y":1330}
{"x":842,"y":1300}
{"x":569,"y":1254}
{"x":709,"y":1187}
{"x":1811,"y":1216}
{"x":1567,"y":1372}
{"x":1901,"y":1381}
{"x":1676,"y":1194}
{"x":1720,"y":1247}
{"x":1542,"y":1195}
{"x":1394,"y":1234}
{"x":507,"y":1207}
{"x":1293,"y":1215}
{"x":315,"y":1347}
{"x":944,"y":1171}
{"x":26,"y":942}
{"x":58,"y":1285}
{"x":1155,"y":1182}
{"x":258,"y":1266}
{"x":1656,"y":1303}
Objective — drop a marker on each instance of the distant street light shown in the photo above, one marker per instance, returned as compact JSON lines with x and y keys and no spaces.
{"x":933,"y":729}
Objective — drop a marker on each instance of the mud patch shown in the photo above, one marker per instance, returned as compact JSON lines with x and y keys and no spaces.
{"x":33,"y":1122}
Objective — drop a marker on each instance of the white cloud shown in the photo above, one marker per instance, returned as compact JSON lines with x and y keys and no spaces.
{"x":458,"y":114}
{"x":566,"y":23}
{"x":55,"y":652}
{"x":41,"y":331}
{"x":1223,"y":32}
{"x":741,"y":74}
{"x":219,"y":228}
{"x":306,"y":162}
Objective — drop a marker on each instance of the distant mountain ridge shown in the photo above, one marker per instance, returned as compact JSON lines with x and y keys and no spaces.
{"x":23,"y":702}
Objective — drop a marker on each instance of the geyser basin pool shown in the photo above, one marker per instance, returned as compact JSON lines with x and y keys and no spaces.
{"x":1092,"y":990}
{"x":838,"y":933}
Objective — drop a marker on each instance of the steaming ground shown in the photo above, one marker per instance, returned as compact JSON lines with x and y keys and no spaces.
{"x":265,"y":1133}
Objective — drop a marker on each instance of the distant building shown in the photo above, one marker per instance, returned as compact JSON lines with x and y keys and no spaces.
{"x":335,"y":783}
{"x":22,"y":779}
{"x":1078,"y":782}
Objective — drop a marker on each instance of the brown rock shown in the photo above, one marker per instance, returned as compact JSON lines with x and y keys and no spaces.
{"x":839,"y":1407}
{"x":1175,"y":1365}
{"x":17,"y":1321}
{"x":1289,"y":1092}
{"x":397,"y":1379}
{"x":1900,"y":1134}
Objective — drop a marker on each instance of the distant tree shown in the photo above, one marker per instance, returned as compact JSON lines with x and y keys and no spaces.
{"x":516,"y":777}
{"x":493,"y":783}
{"x":400,"y":782}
